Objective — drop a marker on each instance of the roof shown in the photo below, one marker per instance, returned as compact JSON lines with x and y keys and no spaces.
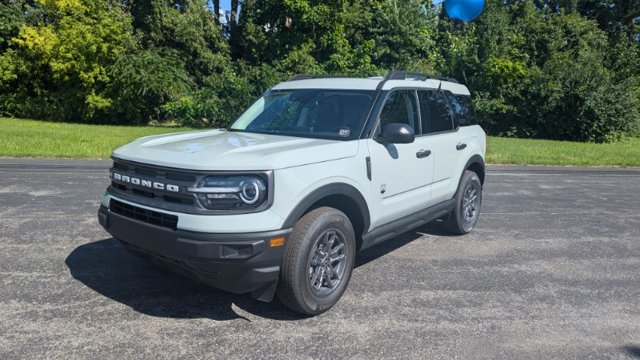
{"x":346,"y":83}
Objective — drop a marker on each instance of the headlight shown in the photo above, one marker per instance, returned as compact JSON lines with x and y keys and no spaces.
{"x":231,"y":192}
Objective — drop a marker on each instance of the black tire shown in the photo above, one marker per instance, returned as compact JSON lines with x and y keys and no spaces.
{"x":459,"y":222}
{"x":310,"y":236}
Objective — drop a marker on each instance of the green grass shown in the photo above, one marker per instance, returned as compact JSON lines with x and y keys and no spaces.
{"x":550,"y":152}
{"x":30,"y":138}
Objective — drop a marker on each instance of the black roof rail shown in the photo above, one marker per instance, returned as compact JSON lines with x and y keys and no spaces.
{"x":403,"y":75}
{"x":312,"y":76}
{"x":392,"y":75}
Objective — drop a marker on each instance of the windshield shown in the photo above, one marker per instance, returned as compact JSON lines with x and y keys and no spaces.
{"x":315,"y":113}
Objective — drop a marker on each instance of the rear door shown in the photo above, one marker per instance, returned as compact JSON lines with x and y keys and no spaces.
{"x":442,"y":138}
{"x":400,"y":173}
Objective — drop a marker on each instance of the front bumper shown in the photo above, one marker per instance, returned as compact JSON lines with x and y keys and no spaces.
{"x":238,"y":263}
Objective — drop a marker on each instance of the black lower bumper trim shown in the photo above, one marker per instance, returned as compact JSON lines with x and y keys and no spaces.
{"x":238,"y":263}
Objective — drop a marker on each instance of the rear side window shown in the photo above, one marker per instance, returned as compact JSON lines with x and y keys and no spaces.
{"x":462,"y":109}
{"x":400,"y":107}
{"x":436,"y":114}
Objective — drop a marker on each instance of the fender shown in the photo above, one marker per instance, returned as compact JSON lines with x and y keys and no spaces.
{"x":328,"y":190}
{"x":475,"y":159}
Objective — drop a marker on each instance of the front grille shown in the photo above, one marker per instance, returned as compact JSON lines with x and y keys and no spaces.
{"x":166,"y":188}
{"x":156,"y":197}
{"x":144,"y":215}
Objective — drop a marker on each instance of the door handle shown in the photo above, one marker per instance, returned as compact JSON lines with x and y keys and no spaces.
{"x":461,"y":146}
{"x":423,"y":153}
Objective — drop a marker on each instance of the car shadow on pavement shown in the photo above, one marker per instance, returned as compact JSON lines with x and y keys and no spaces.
{"x":379,"y":250}
{"x":632,"y":350}
{"x":107,"y":268}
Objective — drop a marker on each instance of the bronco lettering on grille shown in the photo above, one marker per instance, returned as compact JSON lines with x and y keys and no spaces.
{"x":144,"y":183}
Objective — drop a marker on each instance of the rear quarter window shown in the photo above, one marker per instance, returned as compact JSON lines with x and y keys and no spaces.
{"x":462,"y":107}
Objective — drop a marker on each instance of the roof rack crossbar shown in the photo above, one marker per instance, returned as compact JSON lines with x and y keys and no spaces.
{"x":403,"y":75}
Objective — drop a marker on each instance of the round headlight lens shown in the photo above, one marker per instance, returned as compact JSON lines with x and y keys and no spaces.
{"x":250,"y":191}
{"x":231,"y":192}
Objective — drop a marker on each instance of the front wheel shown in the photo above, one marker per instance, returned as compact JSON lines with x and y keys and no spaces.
{"x":468,"y":200}
{"x":318,"y":262}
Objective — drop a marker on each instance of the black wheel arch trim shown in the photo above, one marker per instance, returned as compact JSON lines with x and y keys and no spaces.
{"x":475,"y":159}
{"x":323,"y":192}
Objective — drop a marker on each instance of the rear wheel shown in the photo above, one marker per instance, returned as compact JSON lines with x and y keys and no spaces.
{"x":468,"y":201}
{"x":317,"y":265}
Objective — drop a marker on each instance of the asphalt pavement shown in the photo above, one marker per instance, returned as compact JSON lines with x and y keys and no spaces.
{"x":551,"y":271}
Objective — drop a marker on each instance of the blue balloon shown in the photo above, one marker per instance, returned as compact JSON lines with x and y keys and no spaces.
{"x":465,"y":10}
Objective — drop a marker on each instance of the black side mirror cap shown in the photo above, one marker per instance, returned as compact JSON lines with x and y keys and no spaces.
{"x":396,"y":133}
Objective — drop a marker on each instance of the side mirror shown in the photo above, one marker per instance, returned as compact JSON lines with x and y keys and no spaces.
{"x":396,"y":133}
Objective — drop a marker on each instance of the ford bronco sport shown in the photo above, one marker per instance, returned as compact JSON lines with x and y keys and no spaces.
{"x":314,"y":171}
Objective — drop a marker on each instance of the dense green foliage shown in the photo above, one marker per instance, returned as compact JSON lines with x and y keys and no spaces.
{"x":557,"y":69}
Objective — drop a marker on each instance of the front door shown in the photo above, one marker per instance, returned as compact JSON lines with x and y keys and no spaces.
{"x":400,"y":173}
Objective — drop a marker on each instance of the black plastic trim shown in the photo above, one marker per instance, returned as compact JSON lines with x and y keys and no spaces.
{"x":142,"y":214}
{"x":476,"y":159}
{"x":368,"y":129}
{"x":404,"y":224}
{"x":237,"y":262}
{"x":329,"y":190}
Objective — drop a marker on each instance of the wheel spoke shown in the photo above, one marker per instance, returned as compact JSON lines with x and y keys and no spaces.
{"x":336,"y":249}
{"x":328,"y":240}
{"x":314,"y":278}
{"x":316,"y":259}
{"x":331,"y":239}
{"x":336,"y":258}
{"x":322,"y":275}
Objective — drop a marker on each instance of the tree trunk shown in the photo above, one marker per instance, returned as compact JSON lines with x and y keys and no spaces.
{"x":216,"y":10}
{"x":233,"y":22}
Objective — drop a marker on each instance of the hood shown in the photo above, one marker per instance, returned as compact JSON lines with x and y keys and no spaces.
{"x":223,"y":150}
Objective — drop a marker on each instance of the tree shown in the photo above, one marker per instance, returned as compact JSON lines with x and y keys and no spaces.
{"x":404,"y":33}
{"x":64,"y":57}
{"x":12,"y":17}
{"x":538,"y":73}
{"x":146,"y":79}
{"x":299,"y":36}
{"x":187,"y":27}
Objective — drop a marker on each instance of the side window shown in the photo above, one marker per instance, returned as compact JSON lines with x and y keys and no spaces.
{"x":400,"y":107}
{"x":462,"y":109}
{"x":436,"y":114}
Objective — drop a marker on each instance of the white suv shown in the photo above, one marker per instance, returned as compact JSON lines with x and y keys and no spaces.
{"x":314,"y":171}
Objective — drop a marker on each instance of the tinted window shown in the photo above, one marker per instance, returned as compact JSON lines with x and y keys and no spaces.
{"x":462,"y":109}
{"x":316,"y":113}
{"x":436,"y":114}
{"x":400,"y":107}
